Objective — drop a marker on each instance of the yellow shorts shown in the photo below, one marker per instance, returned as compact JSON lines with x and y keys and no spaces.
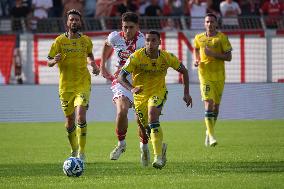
{"x":212,"y":90}
{"x":69,"y":100}
{"x":141,"y":105}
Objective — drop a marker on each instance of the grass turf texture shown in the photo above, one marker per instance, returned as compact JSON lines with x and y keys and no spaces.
{"x":250,"y":154}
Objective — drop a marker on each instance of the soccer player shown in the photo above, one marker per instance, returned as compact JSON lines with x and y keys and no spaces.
{"x":148,"y":67}
{"x":211,"y":49}
{"x":72,"y":51}
{"x":124,"y":43}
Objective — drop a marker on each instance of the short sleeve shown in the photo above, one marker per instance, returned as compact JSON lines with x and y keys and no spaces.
{"x":112,"y":37}
{"x":174,"y":62}
{"x":54,"y":50}
{"x":195,"y":43}
{"x":89,"y":46}
{"x":129,"y":65}
{"x":226,"y":45}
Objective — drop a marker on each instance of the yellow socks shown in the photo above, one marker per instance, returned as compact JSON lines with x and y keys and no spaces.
{"x":72,"y":137}
{"x":156,"y":137}
{"x":210,"y":122}
{"x":82,"y":134}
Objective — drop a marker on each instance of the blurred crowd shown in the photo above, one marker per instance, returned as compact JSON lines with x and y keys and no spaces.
{"x":34,"y":10}
{"x":98,"y":8}
{"x":39,"y":9}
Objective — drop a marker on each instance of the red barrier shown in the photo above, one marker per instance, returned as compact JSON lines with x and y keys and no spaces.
{"x":7,"y":45}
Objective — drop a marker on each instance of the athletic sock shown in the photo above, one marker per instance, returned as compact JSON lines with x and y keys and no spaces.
{"x":82,"y":135}
{"x":72,"y":137}
{"x":209,"y":122}
{"x":156,"y":137}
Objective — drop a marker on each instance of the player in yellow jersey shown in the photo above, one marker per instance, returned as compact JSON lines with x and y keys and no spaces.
{"x":211,"y":49}
{"x":148,"y":67}
{"x":72,"y":51}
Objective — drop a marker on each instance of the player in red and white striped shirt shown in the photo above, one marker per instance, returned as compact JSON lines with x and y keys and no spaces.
{"x":124,"y":43}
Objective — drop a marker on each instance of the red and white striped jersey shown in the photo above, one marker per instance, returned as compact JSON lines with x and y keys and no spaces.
{"x":122,"y":48}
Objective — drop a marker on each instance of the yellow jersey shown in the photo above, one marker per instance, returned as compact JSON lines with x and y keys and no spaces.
{"x":210,"y":68}
{"x":150,"y":73}
{"x":73,"y":71}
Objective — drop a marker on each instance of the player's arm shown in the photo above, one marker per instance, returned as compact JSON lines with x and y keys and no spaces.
{"x":53,"y":60}
{"x":196,"y":56}
{"x":226,"y":56}
{"x":122,"y":79}
{"x":186,"y":96}
{"x":107,"y":49}
{"x":91,"y":61}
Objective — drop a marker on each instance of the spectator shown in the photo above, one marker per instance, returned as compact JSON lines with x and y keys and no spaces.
{"x":40,"y":11}
{"x":230,"y":11}
{"x":167,"y":8}
{"x":105,"y":7}
{"x":73,"y":4}
{"x":248,"y":7}
{"x":90,"y":8}
{"x":213,"y":7}
{"x":40,"y":8}
{"x":197,"y":10}
{"x":17,"y":62}
{"x":56,"y":10}
{"x":142,"y":6}
{"x":178,"y":7}
{"x":175,"y":7}
{"x":125,"y":6}
{"x":273,"y":11}
{"x":153,"y":10}
{"x":5,"y":6}
{"x":18,"y":13}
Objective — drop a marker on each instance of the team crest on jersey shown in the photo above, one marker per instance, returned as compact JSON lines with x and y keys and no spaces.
{"x":123,"y":54}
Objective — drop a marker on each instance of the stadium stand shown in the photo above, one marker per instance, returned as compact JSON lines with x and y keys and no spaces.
{"x":55,"y":25}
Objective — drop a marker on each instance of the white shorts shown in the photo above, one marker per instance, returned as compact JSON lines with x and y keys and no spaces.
{"x":118,"y":91}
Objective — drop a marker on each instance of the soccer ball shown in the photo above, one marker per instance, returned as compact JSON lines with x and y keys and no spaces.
{"x":73,"y":167}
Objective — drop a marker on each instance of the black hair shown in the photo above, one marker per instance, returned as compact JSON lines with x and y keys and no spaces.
{"x":130,"y":17}
{"x":74,"y":11}
{"x":154,"y":32}
{"x":211,"y":15}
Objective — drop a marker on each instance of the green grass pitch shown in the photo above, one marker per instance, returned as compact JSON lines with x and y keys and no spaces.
{"x":250,"y":154}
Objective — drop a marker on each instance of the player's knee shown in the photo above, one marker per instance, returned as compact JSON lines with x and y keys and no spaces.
{"x":81,"y":120}
{"x":209,"y":105}
{"x":122,"y":112}
{"x":153,"y":117}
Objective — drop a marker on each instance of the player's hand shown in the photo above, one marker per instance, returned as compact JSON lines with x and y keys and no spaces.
{"x":136,"y":90}
{"x":196,"y":63}
{"x":57,"y":58}
{"x":188,"y":100}
{"x":209,"y":52}
{"x":105,"y":73}
{"x":96,"y":70}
